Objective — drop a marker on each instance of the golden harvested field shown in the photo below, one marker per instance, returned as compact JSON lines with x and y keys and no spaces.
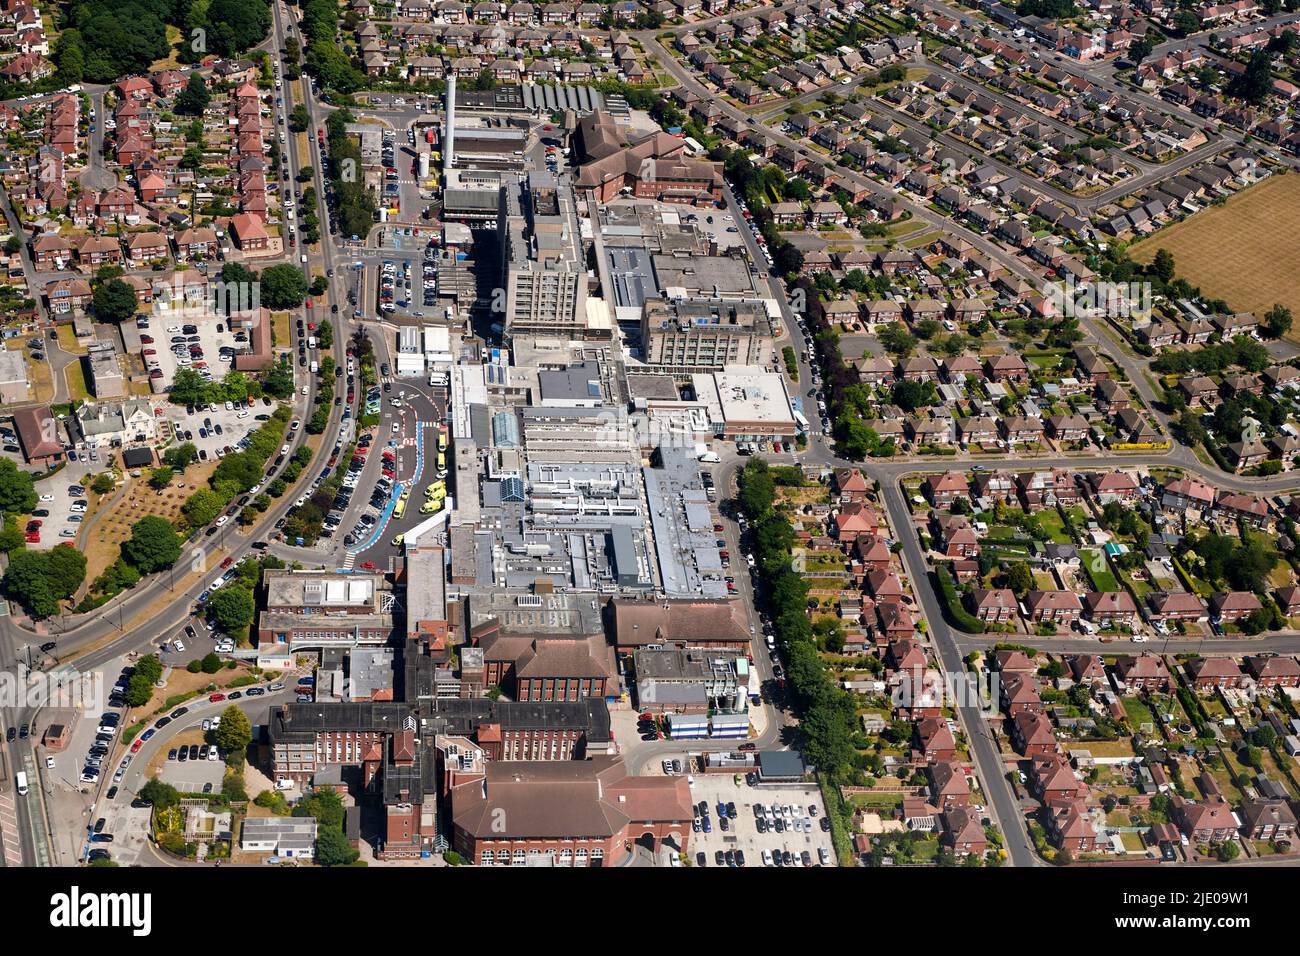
{"x":1243,"y":252}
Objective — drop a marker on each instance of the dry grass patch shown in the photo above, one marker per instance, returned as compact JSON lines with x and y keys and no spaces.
{"x":1243,"y":252}
{"x":138,"y":501}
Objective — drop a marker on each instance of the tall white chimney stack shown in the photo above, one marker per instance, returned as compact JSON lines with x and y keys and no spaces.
{"x":449,"y":134}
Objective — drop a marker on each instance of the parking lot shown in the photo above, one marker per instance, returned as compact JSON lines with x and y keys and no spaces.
{"x":71,"y":761}
{"x":197,"y":342}
{"x":214,"y":428}
{"x":57,"y":509}
{"x":190,"y":776}
{"x":742,"y":832}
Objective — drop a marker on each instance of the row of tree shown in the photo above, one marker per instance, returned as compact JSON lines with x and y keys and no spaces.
{"x":828,"y":719}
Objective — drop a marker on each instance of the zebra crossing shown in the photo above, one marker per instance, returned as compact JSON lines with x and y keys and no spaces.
{"x":10,"y":844}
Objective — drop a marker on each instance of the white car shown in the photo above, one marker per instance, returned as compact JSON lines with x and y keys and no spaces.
{"x":49,"y":763}
{"x":178,"y":646}
{"x":213,"y":755}
{"x":284,"y":449}
{"x":242,"y":415}
{"x":222,"y":520}
{"x":173,"y":329}
{"x":47,"y":497}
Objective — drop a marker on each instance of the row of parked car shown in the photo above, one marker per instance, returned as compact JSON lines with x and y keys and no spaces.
{"x":105,"y":733}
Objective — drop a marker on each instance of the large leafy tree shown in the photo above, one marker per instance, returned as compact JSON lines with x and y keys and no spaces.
{"x":153,"y":545}
{"x":188,"y":387}
{"x":236,"y":25}
{"x":283,"y":287}
{"x":193,"y":100}
{"x":66,"y":571}
{"x":39,"y":580}
{"x":115,"y":301}
{"x":202,"y":507}
{"x":232,"y":608}
{"x":234,"y":733}
{"x":17,"y":489}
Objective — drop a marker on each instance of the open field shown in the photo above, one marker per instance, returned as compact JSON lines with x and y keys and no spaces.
{"x":1240,"y":252}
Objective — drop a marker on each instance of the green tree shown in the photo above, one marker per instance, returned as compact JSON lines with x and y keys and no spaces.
{"x":234,"y":733}
{"x":193,"y":100}
{"x":283,"y":287}
{"x":66,"y":570}
{"x":26,"y":580}
{"x":161,"y":795}
{"x":1256,"y":82}
{"x":153,"y":545}
{"x":1162,"y":266}
{"x":1020,"y":579}
{"x":202,"y":508}
{"x":114,"y":301}
{"x":333,"y":849}
{"x":188,"y":388}
{"x":1227,"y":851}
{"x":181,"y":456}
{"x":897,"y":340}
{"x":17,"y":489}
{"x":232,"y":608}
{"x":160,"y":478}
{"x":1277,"y":321}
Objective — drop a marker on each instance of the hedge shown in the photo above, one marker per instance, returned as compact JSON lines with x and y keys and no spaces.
{"x":958,"y":616}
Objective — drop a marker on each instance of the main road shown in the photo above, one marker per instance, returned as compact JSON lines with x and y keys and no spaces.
{"x":91,"y":640}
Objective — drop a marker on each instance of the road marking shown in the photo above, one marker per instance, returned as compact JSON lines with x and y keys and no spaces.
{"x":10,"y":845}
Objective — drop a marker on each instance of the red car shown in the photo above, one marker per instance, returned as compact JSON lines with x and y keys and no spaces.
{"x":308,"y":304}
{"x":367,"y":565}
{"x":228,"y":562}
{"x":135,"y":747}
{"x":147,"y":339}
{"x":33,"y":537}
{"x":748,"y":747}
{"x":213,"y":698}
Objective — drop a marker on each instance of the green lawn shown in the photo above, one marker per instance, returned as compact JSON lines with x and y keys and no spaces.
{"x":1103,"y":580}
{"x":1051,"y":523}
{"x":1138,"y":712}
{"x":76,"y":379}
{"x":876,"y":800}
